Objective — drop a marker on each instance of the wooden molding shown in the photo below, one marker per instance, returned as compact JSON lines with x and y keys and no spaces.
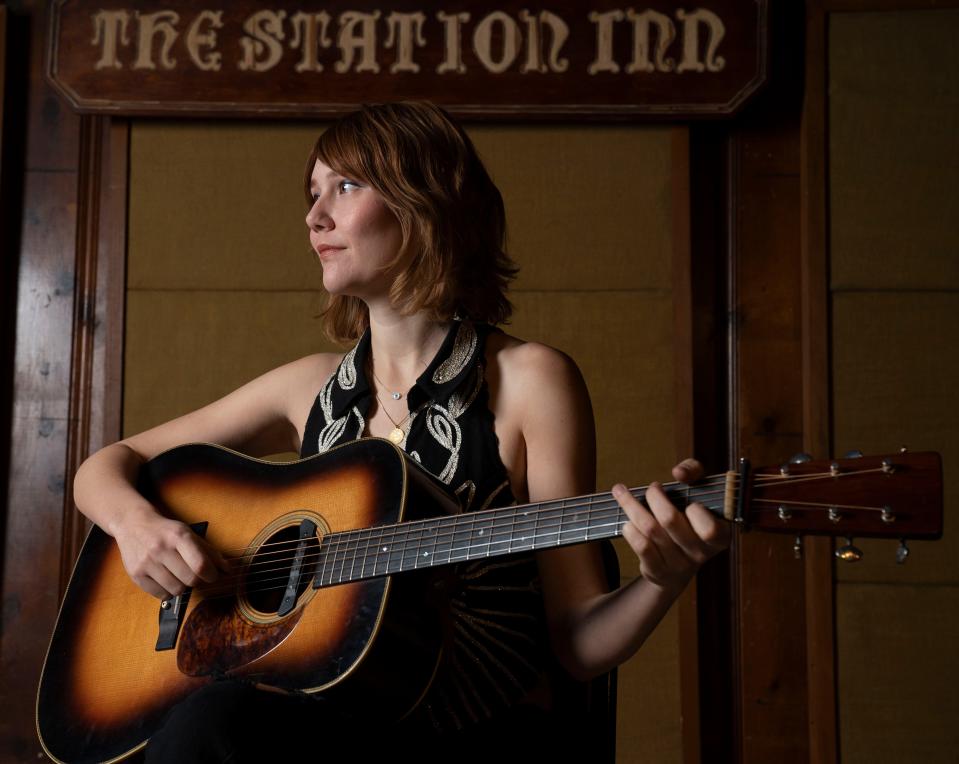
{"x":683,"y":371}
{"x":97,"y":344}
{"x":817,"y":415}
{"x":84,"y":310}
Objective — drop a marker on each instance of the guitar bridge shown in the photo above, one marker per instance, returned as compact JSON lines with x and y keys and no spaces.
{"x":173,"y":609}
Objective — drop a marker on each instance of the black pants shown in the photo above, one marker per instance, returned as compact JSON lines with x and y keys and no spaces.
{"x":235,"y":723}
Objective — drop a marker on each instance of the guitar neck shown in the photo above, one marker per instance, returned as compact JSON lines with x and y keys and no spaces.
{"x":387,"y":549}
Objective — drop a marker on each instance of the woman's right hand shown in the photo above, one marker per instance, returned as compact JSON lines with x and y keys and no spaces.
{"x":163,"y":556}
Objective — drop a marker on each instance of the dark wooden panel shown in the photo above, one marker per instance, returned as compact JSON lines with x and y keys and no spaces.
{"x":96,"y":362}
{"x":53,"y":138}
{"x":39,"y":430}
{"x":39,"y":232}
{"x":820,"y":576}
{"x":702,"y":412}
{"x":767,"y":400}
{"x":770,"y":585}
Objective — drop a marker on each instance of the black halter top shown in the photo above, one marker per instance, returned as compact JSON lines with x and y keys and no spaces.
{"x":498,"y":647}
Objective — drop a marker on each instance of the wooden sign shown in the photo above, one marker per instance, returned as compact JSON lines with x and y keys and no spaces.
{"x":598,"y":58}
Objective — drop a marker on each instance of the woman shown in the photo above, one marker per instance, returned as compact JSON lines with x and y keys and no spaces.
{"x":409,"y":230}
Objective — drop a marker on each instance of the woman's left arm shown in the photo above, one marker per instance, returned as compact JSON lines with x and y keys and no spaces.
{"x":594,"y":629}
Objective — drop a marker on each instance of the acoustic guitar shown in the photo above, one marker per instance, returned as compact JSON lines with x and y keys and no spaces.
{"x":335,"y":565}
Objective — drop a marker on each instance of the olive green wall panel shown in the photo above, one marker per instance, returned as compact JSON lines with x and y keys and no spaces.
{"x":219,"y":206}
{"x":587,"y":208}
{"x":893,"y":159}
{"x":185,"y":348}
{"x":894,"y":212}
{"x":898,"y":667}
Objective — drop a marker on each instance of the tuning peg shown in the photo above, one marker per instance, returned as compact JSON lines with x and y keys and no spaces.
{"x":849,"y":552}
{"x":854,"y":454}
{"x":800,"y":458}
{"x":902,"y":552}
{"x":797,"y":548}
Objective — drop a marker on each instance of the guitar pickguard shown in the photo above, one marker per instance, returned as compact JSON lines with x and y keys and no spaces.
{"x":217,"y":638}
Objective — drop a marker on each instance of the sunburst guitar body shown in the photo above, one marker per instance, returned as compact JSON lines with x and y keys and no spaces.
{"x":107,"y":682}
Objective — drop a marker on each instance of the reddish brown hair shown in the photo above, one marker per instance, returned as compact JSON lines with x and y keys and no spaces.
{"x":453,"y":259}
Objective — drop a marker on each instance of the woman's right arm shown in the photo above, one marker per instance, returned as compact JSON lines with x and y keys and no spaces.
{"x":164,"y":556}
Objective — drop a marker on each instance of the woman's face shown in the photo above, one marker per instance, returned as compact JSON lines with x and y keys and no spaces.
{"x":354,"y":234}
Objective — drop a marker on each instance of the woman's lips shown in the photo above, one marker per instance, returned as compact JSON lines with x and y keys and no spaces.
{"x":326,"y":250}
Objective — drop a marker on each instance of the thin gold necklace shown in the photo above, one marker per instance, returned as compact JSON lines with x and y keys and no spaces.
{"x":398,"y":433}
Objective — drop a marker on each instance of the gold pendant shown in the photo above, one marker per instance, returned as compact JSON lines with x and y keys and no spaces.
{"x":397,"y":435}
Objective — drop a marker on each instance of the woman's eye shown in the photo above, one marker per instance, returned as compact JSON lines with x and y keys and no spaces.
{"x":346,"y":185}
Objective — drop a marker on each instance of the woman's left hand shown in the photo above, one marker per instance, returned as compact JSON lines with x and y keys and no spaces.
{"x":671,"y":545}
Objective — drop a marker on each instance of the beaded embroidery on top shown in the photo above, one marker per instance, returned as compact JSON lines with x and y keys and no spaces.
{"x":462,"y":354}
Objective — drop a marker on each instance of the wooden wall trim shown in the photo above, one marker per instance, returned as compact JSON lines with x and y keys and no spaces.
{"x":98,"y":316}
{"x":683,"y":366}
{"x":111,"y":287}
{"x":699,"y":287}
{"x":40,"y":187}
{"x":766,"y":407}
{"x":81,"y":360}
{"x":817,"y":416}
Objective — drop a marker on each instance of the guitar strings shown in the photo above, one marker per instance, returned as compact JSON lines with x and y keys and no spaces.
{"x":721,"y":482}
{"x":409,"y":544}
{"x":393,"y":565}
{"x":409,"y":554}
{"x":283,"y":547}
{"x":595,"y":505}
{"x":344,"y":540}
{"x":445,"y":526}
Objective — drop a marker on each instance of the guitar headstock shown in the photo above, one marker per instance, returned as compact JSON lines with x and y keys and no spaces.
{"x":892,"y":496}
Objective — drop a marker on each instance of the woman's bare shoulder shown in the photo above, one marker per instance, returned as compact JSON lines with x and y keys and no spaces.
{"x":528,"y":361}
{"x":302,"y":379}
{"x":317,"y":366}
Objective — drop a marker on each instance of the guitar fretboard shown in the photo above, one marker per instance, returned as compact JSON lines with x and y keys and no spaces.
{"x":383,"y":550}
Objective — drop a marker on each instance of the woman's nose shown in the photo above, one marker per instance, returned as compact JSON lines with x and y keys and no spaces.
{"x":317,"y":217}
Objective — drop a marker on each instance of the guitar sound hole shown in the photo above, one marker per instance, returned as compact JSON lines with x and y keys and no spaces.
{"x":269,"y":570}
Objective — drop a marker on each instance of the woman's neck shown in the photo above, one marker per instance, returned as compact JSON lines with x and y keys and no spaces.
{"x":403,"y":346}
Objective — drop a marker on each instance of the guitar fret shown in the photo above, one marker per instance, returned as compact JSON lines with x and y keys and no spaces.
{"x":397,"y":547}
{"x":444,"y":549}
{"x":334,"y":548}
{"x":377,"y":538}
{"x":352,"y":562}
{"x":482,"y":548}
{"x":363,"y":540}
{"x":342,"y":556}
{"x":323,"y":557}
{"x":408,"y":561}
{"x":461,"y":539}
